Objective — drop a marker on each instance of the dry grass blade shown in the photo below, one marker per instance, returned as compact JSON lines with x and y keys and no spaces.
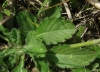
{"x":56,"y":5}
{"x":67,"y":10}
{"x":95,"y":3}
{"x":4,"y":20}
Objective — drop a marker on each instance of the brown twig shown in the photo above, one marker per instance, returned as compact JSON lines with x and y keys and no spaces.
{"x":67,"y":10}
{"x":56,"y":5}
{"x":4,"y":20}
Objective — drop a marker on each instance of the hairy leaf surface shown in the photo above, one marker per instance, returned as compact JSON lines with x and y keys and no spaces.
{"x":34,"y":45}
{"x":20,"y":67}
{"x":3,"y":67}
{"x":54,"y":30}
{"x":14,"y":37}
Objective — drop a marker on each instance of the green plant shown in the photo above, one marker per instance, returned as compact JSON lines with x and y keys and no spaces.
{"x":44,"y":41}
{"x":32,"y":38}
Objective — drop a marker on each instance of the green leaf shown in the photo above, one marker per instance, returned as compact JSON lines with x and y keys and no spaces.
{"x":14,"y":37}
{"x":65,"y":56}
{"x":20,"y":67}
{"x":54,"y":30}
{"x":5,"y":4}
{"x":34,"y":45}
{"x":5,"y":32}
{"x":80,"y":31}
{"x":7,"y":51}
{"x":12,"y":60}
{"x":7,"y":12}
{"x":26,"y":21}
{"x":11,"y":50}
{"x":81,"y":70}
{"x":95,"y":66}
{"x":97,"y":49}
{"x":42,"y":64}
{"x":3,"y":67}
{"x":3,"y":29}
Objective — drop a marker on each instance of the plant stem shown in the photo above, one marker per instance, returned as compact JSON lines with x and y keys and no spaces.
{"x":92,"y":42}
{"x":4,"y":38}
{"x":43,"y":5}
